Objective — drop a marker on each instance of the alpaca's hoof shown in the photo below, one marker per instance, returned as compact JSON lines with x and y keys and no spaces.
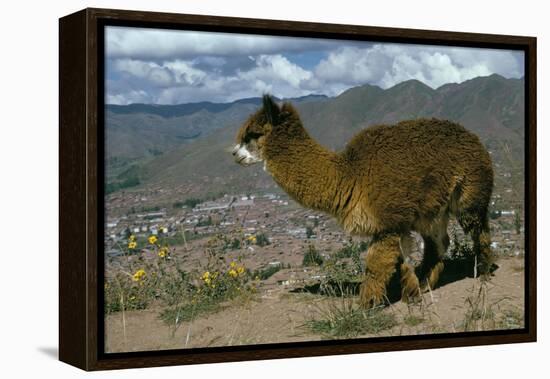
{"x":371,"y":294}
{"x":485,"y":276}
{"x":485,"y":270}
{"x":410,"y":293}
{"x":433,"y":277}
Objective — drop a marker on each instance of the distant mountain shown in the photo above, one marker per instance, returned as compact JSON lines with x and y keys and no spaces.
{"x":137,"y":132}
{"x":141,"y":131}
{"x":193,"y":147}
{"x":180,"y":110}
{"x":491,"y":106}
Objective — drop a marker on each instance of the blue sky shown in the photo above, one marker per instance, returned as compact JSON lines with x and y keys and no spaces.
{"x":158,"y":66}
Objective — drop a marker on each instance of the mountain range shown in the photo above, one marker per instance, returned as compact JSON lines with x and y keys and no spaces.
{"x":188,"y":143}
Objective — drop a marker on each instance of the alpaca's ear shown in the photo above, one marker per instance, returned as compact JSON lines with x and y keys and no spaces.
{"x":271,"y":110}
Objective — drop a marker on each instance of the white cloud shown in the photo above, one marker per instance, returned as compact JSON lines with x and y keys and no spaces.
{"x":504,"y":62}
{"x":180,"y":81}
{"x":184,"y":72}
{"x":388,"y":64}
{"x":351,"y":65}
{"x":167,"y":67}
{"x":149,"y":71}
{"x":143,"y":43}
{"x":128,"y":98}
{"x":276,"y":71}
{"x":166,"y":74}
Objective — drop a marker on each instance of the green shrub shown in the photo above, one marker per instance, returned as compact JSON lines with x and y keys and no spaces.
{"x":352,"y":249}
{"x":262,"y":239}
{"x":267,"y":272}
{"x":205,"y":222}
{"x":312,"y":257}
{"x":192,"y":202}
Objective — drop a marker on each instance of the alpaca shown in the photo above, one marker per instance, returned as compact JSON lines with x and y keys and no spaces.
{"x":389,"y":180}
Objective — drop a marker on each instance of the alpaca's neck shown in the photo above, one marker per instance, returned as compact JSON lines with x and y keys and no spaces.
{"x":308,"y":172}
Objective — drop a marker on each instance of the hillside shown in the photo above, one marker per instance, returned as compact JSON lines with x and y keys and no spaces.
{"x":138,"y":131}
{"x":188,"y":144}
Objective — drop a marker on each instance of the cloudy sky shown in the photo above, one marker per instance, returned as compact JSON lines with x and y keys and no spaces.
{"x":171,"y":67}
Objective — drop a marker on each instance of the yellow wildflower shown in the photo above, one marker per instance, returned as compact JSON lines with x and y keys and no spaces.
{"x":233,"y":273}
{"x":207,"y":277}
{"x":139,"y":275}
{"x":163,"y":251}
{"x":252,"y":239}
{"x":240,"y":270}
{"x":152,"y":239}
{"x":132,"y":245}
{"x":233,"y":264}
{"x":132,"y":238}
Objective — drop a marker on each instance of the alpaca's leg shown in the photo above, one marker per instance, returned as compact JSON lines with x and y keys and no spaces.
{"x":476,"y":223}
{"x":472,"y":215}
{"x":410,"y":286}
{"x":382,"y":258}
{"x":432,"y":262}
{"x":485,"y":258}
{"x":481,"y":237}
{"x":435,"y":246}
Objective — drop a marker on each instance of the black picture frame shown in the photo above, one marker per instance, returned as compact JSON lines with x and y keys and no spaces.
{"x":81,"y":183}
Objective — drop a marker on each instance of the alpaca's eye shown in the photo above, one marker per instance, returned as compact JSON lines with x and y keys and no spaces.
{"x":251,"y":136}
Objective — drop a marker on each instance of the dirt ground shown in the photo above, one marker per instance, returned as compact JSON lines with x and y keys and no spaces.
{"x":280,"y":316}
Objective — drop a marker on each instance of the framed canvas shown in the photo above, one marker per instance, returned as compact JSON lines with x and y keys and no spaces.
{"x":240,"y":189}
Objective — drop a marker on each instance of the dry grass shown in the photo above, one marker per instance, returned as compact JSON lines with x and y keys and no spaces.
{"x":483,"y":312}
{"x":512,"y":319}
{"x":342,"y":318}
{"x":413,"y":320}
{"x":339,"y":315}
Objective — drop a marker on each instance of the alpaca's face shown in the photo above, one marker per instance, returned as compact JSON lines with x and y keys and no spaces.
{"x":247,"y":154}
{"x":250,"y":140}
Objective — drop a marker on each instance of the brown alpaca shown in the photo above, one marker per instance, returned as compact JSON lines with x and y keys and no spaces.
{"x":388,"y":181}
